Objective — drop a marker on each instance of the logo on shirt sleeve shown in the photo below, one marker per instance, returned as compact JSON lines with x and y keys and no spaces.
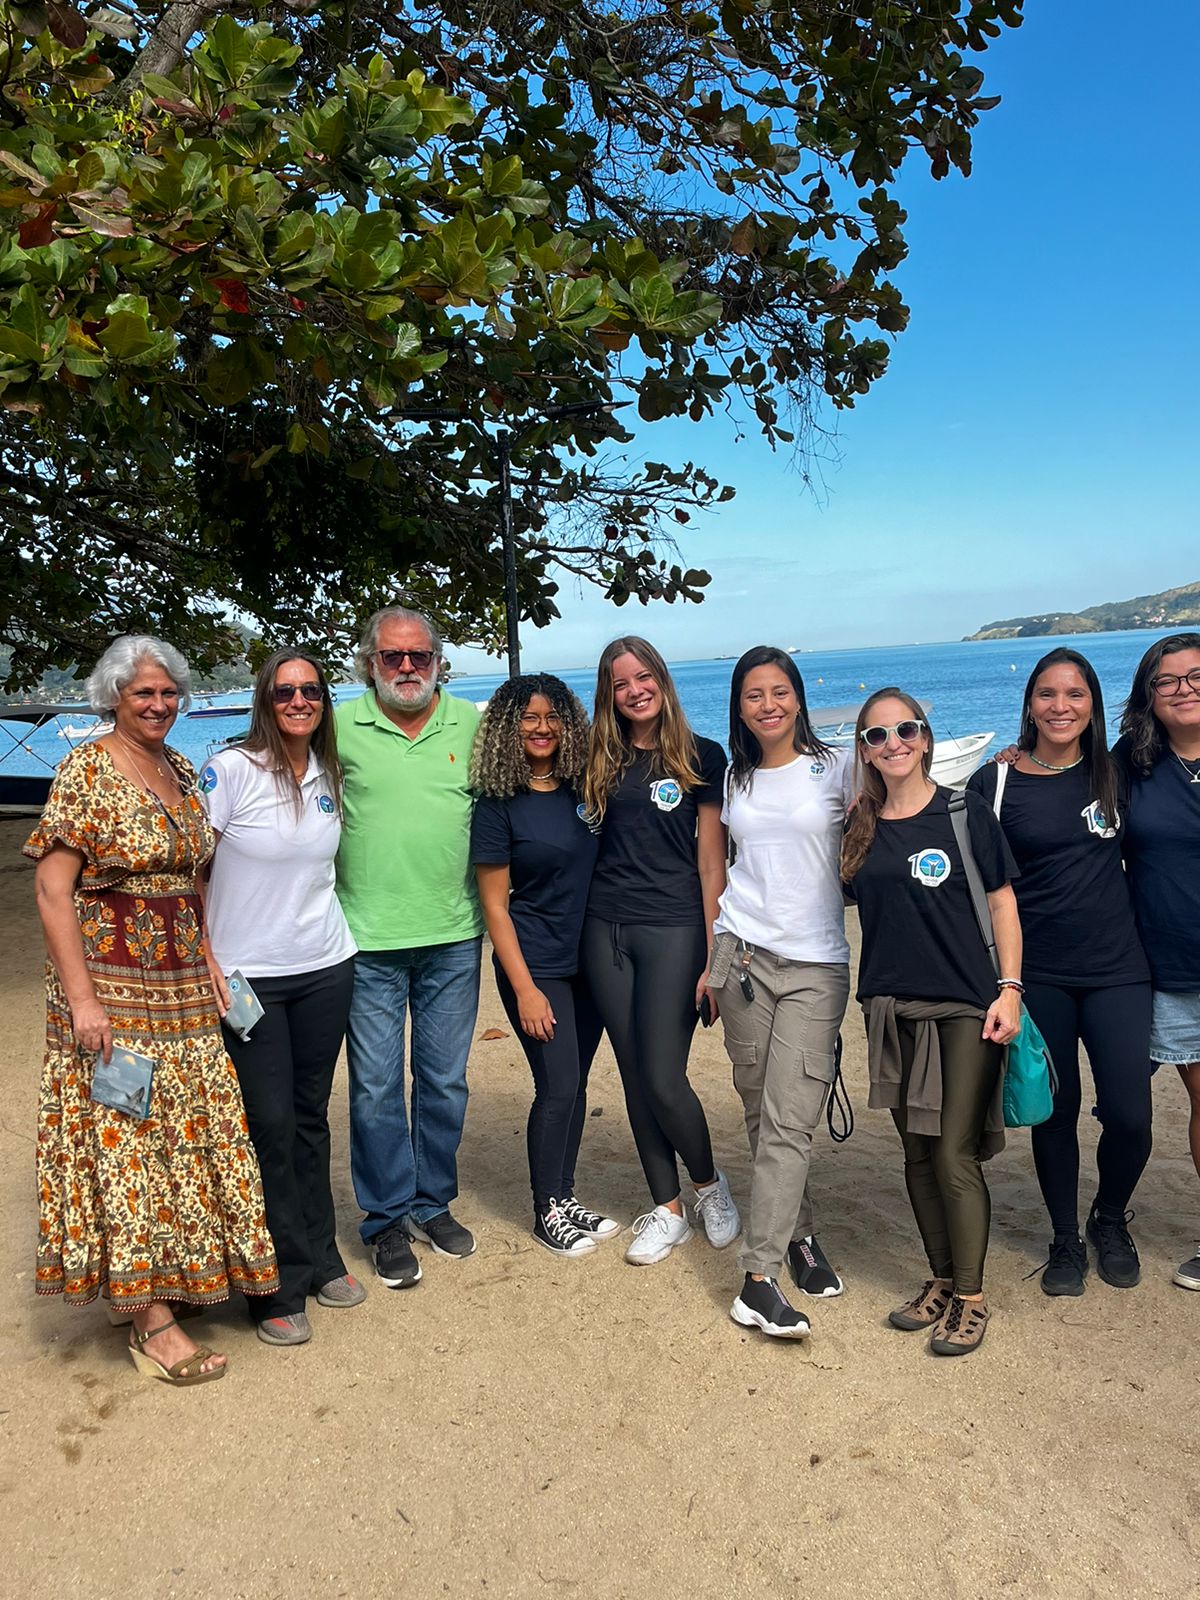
{"x":325,"y":804}
{"x":817,"y":768}
{"x":1098,"y":823}
{"x":930,"y":867}
{"x":666,"y":794}
{"x":208,"y":780}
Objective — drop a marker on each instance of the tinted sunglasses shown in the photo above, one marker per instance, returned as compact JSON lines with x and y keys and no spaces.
{"x":393,"y":660}
{"x":907,"y":732}
{"x":283,"y":692}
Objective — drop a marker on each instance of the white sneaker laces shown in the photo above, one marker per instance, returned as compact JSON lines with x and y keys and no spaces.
{"x":717,"y":1201}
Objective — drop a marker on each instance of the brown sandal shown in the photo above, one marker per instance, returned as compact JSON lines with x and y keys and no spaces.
{"x":962,"y":1329}
{"x":179,"y":1375}
{"x":925,"y":1308}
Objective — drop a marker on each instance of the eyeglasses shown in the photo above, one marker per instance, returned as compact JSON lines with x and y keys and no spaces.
{"x":393,"y":660}
{"x":530,"y":722}
{"x":1171,"y":682}
{"x":283,"y":692}
{"x":907,"y":732}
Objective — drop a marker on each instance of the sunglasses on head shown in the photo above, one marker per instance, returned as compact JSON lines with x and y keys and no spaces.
{"x":283,"y":692}
{"x":908,"y":732}
{"x":393,"y":660}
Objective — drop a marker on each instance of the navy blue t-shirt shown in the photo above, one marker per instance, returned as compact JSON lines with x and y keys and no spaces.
{"x":920,"y":939}
{"x":1162,"y":857}
{"x":1077,"y":923}
{"x":549,"y":852}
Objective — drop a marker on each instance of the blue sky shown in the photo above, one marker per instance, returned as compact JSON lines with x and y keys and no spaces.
{"x":1033,"y":445}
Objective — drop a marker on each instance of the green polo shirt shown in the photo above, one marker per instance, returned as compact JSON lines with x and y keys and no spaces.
{"x":404,"y":873}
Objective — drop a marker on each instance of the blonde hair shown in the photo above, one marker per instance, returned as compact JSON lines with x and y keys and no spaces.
{"x":611,"y":752}
{"x":860,"y":830}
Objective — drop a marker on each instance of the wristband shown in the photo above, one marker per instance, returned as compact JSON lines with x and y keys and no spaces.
{"x":1010,"y":983}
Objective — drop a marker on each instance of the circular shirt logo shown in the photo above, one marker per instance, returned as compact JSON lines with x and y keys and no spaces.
{"x":930,"y":867}
{"x":1098,"y":823}
{"x":325,"y":804}
{"x":208,"y":780}
{"x":581,"y":811}
{"x":666,"y":794}
{"x":817,"y":768}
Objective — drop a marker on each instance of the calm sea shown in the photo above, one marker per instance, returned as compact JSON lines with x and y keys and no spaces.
{"x":973,"y":688}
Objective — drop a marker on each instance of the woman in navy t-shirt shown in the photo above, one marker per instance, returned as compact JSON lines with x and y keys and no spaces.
{"x":1086,"y":978}
{"x":533,"y":856}
{"x":1159,"y":750}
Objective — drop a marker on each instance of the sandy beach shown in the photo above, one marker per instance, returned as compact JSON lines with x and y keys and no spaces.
{"x":521,"y":1426}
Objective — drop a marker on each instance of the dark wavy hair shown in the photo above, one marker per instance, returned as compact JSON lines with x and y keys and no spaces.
{"x":860,"y":828}
{"x":1102,"y":771}
{"x":499,"y":767}
{"x":265,"y":740}
{"x":1147,"y":741}
{"x":745,"y":752}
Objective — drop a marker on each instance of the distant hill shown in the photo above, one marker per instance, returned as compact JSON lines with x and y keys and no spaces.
{"x":1173,"y":608}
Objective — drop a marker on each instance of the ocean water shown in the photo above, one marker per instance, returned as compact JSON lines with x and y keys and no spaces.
{"x":973,"y":688}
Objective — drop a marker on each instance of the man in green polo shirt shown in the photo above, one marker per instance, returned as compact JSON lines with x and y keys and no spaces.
{"x":405,"y":883}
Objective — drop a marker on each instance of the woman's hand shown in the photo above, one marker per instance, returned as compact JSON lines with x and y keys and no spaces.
{"x":702,"y":989}
{"x":537,"y":1019}
{"x":220,"y":987}
{"x":92,"y":1028}
{"x":1009,"y":756}
{"x":1003,"y":1021}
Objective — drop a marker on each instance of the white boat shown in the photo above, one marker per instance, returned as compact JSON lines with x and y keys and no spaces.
{"x":74,"y":730}
{"x":954,"y":759}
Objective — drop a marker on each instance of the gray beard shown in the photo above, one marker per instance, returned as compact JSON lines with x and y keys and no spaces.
{"x":388,"y":693}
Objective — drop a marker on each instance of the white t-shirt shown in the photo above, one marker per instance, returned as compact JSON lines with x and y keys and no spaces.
{"x":271,"y":908}
{"x":784,"y":892}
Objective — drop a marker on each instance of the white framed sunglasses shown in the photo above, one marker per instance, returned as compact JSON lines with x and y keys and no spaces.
{"x":908,"y":732}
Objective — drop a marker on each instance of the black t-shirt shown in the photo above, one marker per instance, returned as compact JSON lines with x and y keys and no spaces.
{"x":920,"y":939}
{"x":647,"y":867}
{"x":550,"y":852}
{"x":1162,"y":856}
{"x":1077,"y":921}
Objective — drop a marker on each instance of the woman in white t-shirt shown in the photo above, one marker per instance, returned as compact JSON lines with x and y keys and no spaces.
{"x":781,"y":969}
{"x":272,"y":916}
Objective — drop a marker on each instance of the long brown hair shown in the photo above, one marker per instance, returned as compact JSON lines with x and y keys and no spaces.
{"x":860,"y":830}
{"x":264,"y":738}
{"x":1147,"y":738}
{"x":1093,"y":742}
{"x":611,"y":752}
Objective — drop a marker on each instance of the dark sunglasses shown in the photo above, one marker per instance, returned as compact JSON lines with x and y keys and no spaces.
{"x":393,"y":660}
{"x":907,"y":732}
{"x":283,"y":692}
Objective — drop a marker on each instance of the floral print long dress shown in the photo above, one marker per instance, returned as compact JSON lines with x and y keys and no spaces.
{"x":170,"y":1207}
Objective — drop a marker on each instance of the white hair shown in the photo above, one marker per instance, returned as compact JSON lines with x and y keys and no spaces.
{"x":370,"y":636}
{"x":117,"y":668}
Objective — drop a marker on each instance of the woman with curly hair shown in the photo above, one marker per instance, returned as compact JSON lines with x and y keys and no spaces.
{"x":654,"y":788}
{"x":1159,"y":750}
{"x":533,"y":856}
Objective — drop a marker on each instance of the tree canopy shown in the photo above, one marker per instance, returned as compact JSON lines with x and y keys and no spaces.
{"x":271,"y":277}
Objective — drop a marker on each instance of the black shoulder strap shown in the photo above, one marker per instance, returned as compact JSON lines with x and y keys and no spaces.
{"x":962,"y":833}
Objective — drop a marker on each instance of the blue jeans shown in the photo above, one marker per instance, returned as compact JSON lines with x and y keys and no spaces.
{"x":405,"y":1168}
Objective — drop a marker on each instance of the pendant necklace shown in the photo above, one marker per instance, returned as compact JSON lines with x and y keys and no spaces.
{"x":1048,"y":766}
{"x":141,"y":771}
{"x":1192,"y":772}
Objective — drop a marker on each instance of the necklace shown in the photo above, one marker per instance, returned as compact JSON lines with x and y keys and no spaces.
{"x":134,"y":755}
{"x":1048,"y":766}
{"x":1193,"y":772}
{"x":543,"y":777}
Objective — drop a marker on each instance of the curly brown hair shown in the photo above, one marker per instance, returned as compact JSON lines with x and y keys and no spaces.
{"x":499,"y":766}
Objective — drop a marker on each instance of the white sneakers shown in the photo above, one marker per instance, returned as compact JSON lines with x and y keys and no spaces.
{"x":717,"y":1213}
{"x":656,"y":1234}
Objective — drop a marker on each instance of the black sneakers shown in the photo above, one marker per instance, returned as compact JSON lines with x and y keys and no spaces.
{"x":1067,"y":1267}
{"x":590,"y":1222}
{"x":762,"y":1305}
{"x":810,"y":1269}
{"x":448,"y":1237}
{"x":1116,"y":1256}
{"x":395,"y":1263}
{"x":554,"y":1232}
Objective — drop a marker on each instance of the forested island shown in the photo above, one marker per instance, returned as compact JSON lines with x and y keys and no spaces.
{"x":1172,"y":608}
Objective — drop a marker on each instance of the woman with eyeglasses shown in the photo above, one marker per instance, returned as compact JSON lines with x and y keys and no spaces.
{"x":653,"y":789}
{"x":781,"y":969}
{"x":936,"y":1014}
{"x":1063,"y":812}
{"x":275,"y":802}
{"x":1159,"y":749}
{"x":533,"y":856}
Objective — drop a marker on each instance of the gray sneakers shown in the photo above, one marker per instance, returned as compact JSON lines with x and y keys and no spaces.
{"x":292,"y":1329}
{"x":340,"y":1292}
{"x":1187,"y":1275}
{"x":717,"y":1214}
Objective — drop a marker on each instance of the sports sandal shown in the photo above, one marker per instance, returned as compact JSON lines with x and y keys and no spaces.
{"x":962,"y":1329}
{"x":180,"y":1375}
{"x":925,"y":1308}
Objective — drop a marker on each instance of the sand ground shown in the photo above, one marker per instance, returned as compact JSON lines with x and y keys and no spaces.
{"x":520,"y":1426}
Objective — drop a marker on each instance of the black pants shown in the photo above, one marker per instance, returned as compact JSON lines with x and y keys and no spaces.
{"x":285,"y":1069}
{"x":1114,"y":1027}
{"x":560,"y":1069}
{"x":643,"y":980}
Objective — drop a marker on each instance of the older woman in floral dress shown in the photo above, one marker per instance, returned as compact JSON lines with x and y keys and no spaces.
{"x":165,"y":1210}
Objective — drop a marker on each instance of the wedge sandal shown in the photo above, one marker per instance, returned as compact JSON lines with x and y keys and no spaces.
{"x":181,"y":1374}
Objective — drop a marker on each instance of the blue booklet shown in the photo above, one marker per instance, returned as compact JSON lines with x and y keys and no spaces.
{"x":245,"y":1008}
{"x":125,"y":1083}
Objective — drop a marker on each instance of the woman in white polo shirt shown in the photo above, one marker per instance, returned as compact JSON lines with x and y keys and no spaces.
{"x":780,"y":969}
{"x":275,"y":803}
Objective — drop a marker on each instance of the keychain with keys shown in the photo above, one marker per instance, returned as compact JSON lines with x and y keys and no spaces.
{"x":744,"y":983}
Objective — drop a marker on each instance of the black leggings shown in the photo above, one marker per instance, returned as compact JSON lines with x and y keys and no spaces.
{"x":644,"y":980}
{"x":1114,"y":1027}
{"x":560,"y":1072}
{"x":285,"y":1069}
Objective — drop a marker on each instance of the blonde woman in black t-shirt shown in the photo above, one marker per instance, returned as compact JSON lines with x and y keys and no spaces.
{"x":935,"y":1022}
{"x":653,"y":789}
